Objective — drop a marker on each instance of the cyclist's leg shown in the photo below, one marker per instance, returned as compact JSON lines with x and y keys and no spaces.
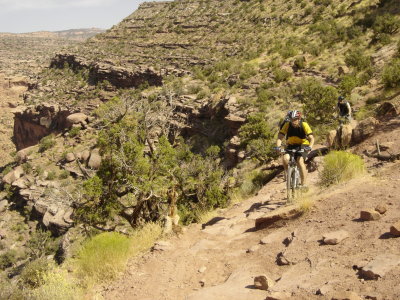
{"x":303,"y":170}
{"x":285,"y":162}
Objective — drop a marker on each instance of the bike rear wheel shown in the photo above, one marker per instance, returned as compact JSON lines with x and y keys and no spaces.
{"x":289,"y":183}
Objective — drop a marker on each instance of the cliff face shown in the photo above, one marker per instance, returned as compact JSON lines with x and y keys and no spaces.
{"x":33,"y":123}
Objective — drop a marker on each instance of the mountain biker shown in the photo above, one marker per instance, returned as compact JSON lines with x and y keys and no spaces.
{"x":343,"y":108}
{"x":298,"y":135}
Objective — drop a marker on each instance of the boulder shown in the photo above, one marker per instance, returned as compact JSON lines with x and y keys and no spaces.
{"x":379,"y":266}
{"x":77,"y":118}
{"x":85,"y":155}
{"x":94,"y":160}
{"x":364,"y":129}
{"x":13,"y":175}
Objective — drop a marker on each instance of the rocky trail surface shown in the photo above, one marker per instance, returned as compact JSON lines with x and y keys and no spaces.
{"x":345,"y":247}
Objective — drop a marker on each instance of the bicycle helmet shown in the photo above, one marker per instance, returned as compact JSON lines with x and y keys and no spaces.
{"x":340,"y":98}
{"x":295,"y":114}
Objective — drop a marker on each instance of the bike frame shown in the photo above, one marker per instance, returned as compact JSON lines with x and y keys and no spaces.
{"x":293,"y":173}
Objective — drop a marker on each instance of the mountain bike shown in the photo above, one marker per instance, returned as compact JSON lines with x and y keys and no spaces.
{"x":293,"y":173}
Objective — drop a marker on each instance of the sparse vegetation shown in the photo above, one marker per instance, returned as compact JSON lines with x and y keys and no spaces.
{"x":341,"y":166}
{"x":391,"y":74}
{"x":46,"y":143}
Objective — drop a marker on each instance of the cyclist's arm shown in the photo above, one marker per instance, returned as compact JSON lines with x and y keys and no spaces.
{"x":281,"y":136}
{"x":310,"y":138}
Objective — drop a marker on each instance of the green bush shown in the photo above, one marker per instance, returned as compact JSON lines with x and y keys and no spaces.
{"x":57,"y":284}
{"x":32,"y":275}
{"x":46,"y":143}
{"x":104,"y":255}
{"x":41,"y":244}
{"x":74,"y":131}
{"x":347,"y":84}
{"x":8,"y":259}
{"x":340,"y":166}
{"x":281,"y":75}
{"x":387,"y":23}
{"x":356,"y":58}
{"x":257,"y":137}
{"x":391,"y":74}
{"x":300,"y":62}
{"x":319,"y":100}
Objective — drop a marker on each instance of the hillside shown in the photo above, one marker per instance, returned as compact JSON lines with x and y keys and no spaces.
{"x":172,"y":114}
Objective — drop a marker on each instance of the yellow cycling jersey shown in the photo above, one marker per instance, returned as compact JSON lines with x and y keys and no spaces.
{"x":296,"y":136}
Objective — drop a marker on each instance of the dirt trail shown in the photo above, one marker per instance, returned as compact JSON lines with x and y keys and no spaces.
{"x":219,"y":261}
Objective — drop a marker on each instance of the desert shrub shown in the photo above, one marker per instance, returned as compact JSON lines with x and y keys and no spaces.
{"x":57,"y":284}
{"x":319,"y":100}
{"x":146,"y":175}
{"x":281,"y":75}
{"x":74,"y":131}
{"x":300,"y":62}
{"x":51,"y":175}
{"x":247,"y":71}
{"x":340,"y":166}
{"x":387,"y":24}
{"x":46,"y":143}
{"x":9,"y":290}
{"x":104,"y":255}
{"x":356,"y":58}
{"x":32,"y":275}
{"x":257,"y":137}
{"x":63,"y":174}
{"x":347,"y":84}
{"x":391,"y":74}
{"x":41,"y":244}
{"x":8,"y":259}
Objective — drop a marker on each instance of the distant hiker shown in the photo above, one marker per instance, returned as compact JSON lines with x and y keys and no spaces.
{"x":344,"y":109}
{"x":298,"y":135}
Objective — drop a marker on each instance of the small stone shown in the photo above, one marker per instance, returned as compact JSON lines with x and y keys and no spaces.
{"x":262,"y":282}
{"x":281,"y":260}
{"x":381,"y":208}
{"x":369,"y":215}
{"x":335,"y":237}
{"x":202,"y":282}
{"x":395,"y":229}
{"x":94,"y":160}
{"x":202,"y":269}
{"x":345,"y":296}
{"x":252,"y":249}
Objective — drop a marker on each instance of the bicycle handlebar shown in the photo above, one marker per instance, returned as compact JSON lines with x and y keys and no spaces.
{"x":283,"y":150}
